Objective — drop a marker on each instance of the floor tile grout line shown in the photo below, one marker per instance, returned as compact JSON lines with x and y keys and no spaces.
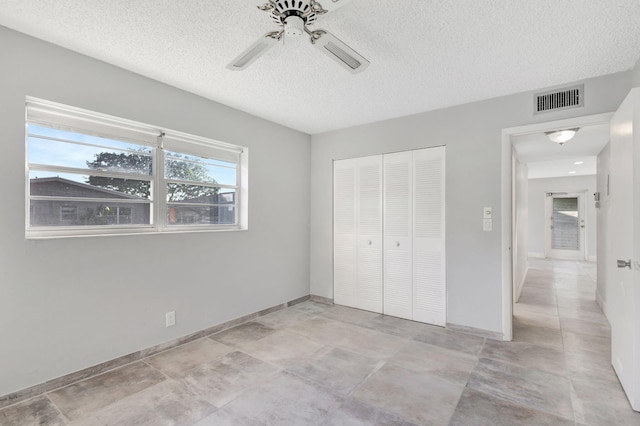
{"x":166,"y":375}
{"x":564,"y":352}
{"x":377,"y":368}
{"x":64,"y":417}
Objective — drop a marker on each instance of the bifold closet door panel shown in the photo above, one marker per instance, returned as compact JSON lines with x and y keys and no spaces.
{"x":389,"y":234}
{"x":397,"y":200}
{"x":344,"y":232}
{"x":429,"y":285}
{"x":369,"y":230}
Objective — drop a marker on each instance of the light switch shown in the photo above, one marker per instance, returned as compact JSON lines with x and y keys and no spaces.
{"x":487,"y":213}
{"x":487,"y":225}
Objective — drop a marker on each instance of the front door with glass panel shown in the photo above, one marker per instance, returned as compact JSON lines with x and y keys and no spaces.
{"x":565,"y":226}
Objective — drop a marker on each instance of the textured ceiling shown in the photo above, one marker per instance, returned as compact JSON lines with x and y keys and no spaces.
{"x":548,"y":159}
{"x":425,"y":54}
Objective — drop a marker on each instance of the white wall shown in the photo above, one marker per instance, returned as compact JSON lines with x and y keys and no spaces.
{"x":521,"y":226}
{"x":67,"y":304}
{"x":604,"y":168}
{"x":473,"y":136}
{"x":537,"y":199}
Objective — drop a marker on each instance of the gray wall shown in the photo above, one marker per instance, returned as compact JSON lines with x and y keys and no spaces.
{"x":604,"y":167}
{"x":67,"y":304}
{"x":473,"y":136}
{"x":537,"y":197}
{"x":636,"y":74}
{"x":521,"y":226}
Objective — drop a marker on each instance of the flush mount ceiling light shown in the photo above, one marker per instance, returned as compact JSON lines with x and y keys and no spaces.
{"x":294,"y":17}
{"x":562,"y":136}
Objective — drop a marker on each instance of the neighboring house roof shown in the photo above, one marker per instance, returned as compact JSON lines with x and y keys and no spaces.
{"x":60,"y":187}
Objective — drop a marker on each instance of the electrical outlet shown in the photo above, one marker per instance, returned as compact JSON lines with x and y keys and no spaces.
{"x":170,"y":318}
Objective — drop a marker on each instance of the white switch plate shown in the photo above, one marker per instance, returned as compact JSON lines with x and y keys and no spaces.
{"x":170,"y":319}
{"x":487,"y":225}
{"x":487,"y":213}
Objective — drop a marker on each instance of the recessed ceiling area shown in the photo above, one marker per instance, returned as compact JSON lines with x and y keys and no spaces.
{"x":424,"y":55}
{"x":573,"y":158}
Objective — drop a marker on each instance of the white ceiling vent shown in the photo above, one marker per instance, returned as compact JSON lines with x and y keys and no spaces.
{"x":568,"y":97}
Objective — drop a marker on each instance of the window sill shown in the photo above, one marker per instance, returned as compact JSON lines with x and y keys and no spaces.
{"x":63,"y":234}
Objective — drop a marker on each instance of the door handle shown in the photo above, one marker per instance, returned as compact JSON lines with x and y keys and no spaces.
{"x":624,"y":264}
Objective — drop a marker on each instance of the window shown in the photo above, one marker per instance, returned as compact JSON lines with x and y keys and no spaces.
{"x":68,"y":214}
{"x":90,"y":173}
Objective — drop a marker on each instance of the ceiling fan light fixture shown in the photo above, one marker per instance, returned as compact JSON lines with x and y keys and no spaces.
{"x":562,"y":136}
{"x":294,"y":26}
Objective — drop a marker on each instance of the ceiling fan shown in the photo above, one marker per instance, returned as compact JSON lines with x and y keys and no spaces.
{"x":294,"y":18}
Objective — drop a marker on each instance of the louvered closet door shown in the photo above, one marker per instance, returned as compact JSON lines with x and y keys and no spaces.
{"x":398,"y":274}
{"x":344,"y":232}
{"x":429,"y":285}
{"x":369,"y":233}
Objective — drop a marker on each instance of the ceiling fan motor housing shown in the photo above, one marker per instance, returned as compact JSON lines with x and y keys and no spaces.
{"x":284,"y":9}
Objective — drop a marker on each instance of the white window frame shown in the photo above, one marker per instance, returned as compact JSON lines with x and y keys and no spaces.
{"x":55,"y":115}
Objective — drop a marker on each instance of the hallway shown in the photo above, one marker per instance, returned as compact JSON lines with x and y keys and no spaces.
{"x":557,"y":314}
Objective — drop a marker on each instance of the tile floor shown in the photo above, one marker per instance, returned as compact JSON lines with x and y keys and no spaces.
{"x":322,"y":364}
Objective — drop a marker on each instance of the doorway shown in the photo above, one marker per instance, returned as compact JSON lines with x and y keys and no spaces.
{"x":509,"y":208}
{"x":565,"y":223}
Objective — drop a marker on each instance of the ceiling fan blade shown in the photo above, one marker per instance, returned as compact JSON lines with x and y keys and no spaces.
{"x":331,"y":5}
{"x":254,"y":51}
{"x":337,"y":50}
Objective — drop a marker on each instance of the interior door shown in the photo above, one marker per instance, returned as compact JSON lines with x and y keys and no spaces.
{"x":398,"y":250}
{"x":357,"y":233}
{"x":623,"y":296}
{"x":429,"y":284}
{"x":369,"y":229}
{"x":344,"y":232}
{"x":565,"y":226}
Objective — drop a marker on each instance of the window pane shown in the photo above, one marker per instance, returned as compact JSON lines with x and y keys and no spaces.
{"x":199,"y":214}
{"x":196,"y":194}
{"x":199,"y":169}
{"x":113,"y":156}
{"x":75,"y":185}
{"x":68,"y":213}
{"x":85,"y":213}
{"x":565,"y":234}
{"x":89,"y":170}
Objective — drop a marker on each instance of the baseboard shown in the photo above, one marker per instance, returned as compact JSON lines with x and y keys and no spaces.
{"x":535,"y":255}
{"x":494,"y":335}
{"x":68,"y":379}
{"x":602,"y":303}
{"x":521,"y":285}
{"x":321,"y":299}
